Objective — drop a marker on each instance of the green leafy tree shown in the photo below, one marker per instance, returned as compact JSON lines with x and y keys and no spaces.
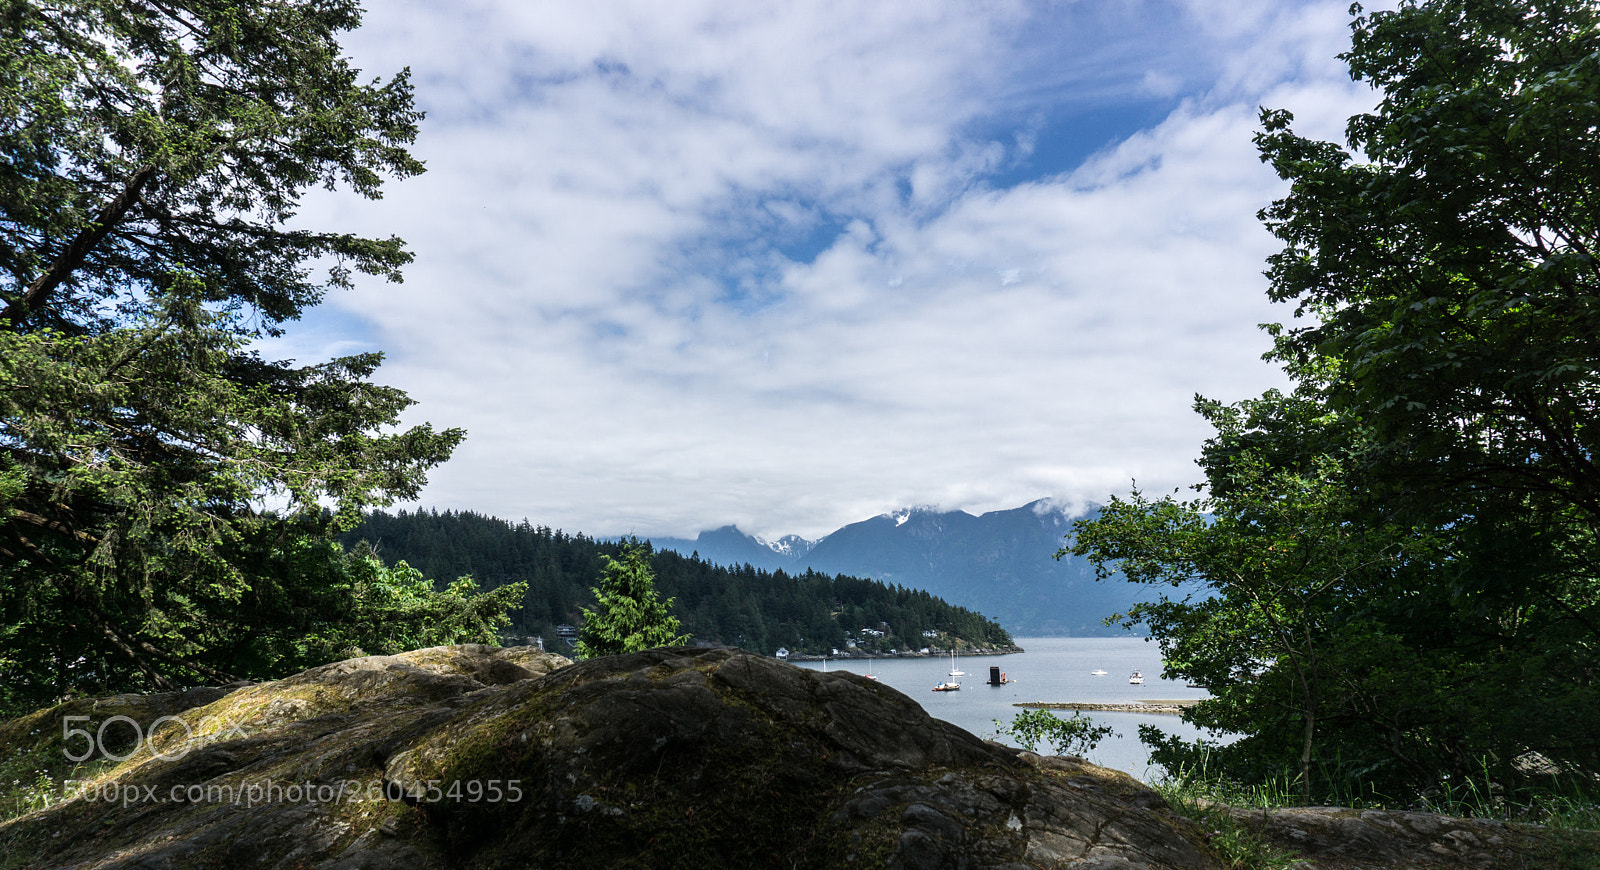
{"x":1400,"y":556}
{"x":628,"y":616}
{"x":1451,"y":274}
{"x":392,"y":609}
{"x":312,"y":602}
{"x":1271,"y":562}
{"x":153,"y":155}
{"x":1075,"y":735}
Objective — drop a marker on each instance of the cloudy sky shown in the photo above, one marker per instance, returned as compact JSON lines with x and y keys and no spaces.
{"x":790,"y":265}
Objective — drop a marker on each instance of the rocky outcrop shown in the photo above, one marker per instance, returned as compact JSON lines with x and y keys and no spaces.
{"x":1337,"y":838}
{"x":479,"y":757}
{"x":473,"y":756}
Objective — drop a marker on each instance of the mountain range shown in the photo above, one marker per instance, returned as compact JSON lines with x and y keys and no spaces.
{"x":1000,"y":564}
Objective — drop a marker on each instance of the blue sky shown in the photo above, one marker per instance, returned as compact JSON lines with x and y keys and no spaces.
{"x":793,"y":265}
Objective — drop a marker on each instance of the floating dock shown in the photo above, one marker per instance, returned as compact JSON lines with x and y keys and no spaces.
{"x":1172,"y":707}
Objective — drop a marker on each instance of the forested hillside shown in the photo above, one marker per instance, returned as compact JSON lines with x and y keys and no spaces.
{"x":1000,"y":563}
{"x":751,"y":608}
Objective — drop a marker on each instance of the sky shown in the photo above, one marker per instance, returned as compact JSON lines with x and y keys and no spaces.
{"x":792,"y":265}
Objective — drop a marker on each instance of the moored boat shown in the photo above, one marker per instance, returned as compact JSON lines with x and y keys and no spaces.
{"x":947,"y":687}
{"x":1137,"y":678}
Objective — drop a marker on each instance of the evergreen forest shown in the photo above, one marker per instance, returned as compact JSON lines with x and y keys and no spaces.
{"x":737,"y":605}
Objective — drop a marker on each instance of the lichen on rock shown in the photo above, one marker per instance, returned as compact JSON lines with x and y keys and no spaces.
{"x":473,"y":756}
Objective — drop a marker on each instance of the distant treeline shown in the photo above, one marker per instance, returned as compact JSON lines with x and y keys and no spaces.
{"x":742,"y":606}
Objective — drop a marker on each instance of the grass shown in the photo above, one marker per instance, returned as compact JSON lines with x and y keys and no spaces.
{"x":35,"y":780}
{"x":24,"y":795}
{"x":1572,"y":803}
{"x":1238,"y":846}
{"x":1205,"y":801}
{"x":1567,"y":813}
{"x":1565,"y":805}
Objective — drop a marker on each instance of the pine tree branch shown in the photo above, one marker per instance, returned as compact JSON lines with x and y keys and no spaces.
{"x":72,"y":257}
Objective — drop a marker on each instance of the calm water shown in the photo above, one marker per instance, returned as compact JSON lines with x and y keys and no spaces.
{"x":1052,"y":669}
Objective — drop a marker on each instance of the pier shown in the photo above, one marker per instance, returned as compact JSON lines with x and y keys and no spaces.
{"x":1171,"y":707}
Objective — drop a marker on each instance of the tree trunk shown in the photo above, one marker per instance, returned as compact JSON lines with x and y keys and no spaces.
{"x":1305,"y":750}
{"x":73,"y":255}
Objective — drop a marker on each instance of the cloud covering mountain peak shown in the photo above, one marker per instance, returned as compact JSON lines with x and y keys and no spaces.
{"x":1000,"y":563}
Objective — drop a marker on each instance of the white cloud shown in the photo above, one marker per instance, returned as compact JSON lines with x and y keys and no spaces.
{"x":686,"y":264}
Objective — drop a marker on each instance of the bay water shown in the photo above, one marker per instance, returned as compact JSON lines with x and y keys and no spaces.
{"x":1053,"y":669}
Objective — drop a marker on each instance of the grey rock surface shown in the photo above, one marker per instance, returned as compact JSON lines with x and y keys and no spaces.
{"x":1337,"y":838}
{"x":474,"y":756}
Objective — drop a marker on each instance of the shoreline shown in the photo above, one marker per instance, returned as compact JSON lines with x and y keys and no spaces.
{"x":803,"y":657}
{"x":1173,"y":707}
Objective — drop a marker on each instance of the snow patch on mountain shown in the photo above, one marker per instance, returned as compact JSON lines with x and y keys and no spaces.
{"x":792,"y":546}
{"x":921,"y":511}
{"x":1001,"y":564}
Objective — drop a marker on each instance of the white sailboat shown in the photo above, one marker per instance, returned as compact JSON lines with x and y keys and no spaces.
{"x":1098,"y":672}
{"x":955,"y":669}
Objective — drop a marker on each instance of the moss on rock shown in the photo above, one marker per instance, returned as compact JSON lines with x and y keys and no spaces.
{"x":473,"y":756}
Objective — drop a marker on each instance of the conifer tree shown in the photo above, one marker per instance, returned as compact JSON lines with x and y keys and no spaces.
{"x":628,"y":615}
{"x":152,"y":158}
